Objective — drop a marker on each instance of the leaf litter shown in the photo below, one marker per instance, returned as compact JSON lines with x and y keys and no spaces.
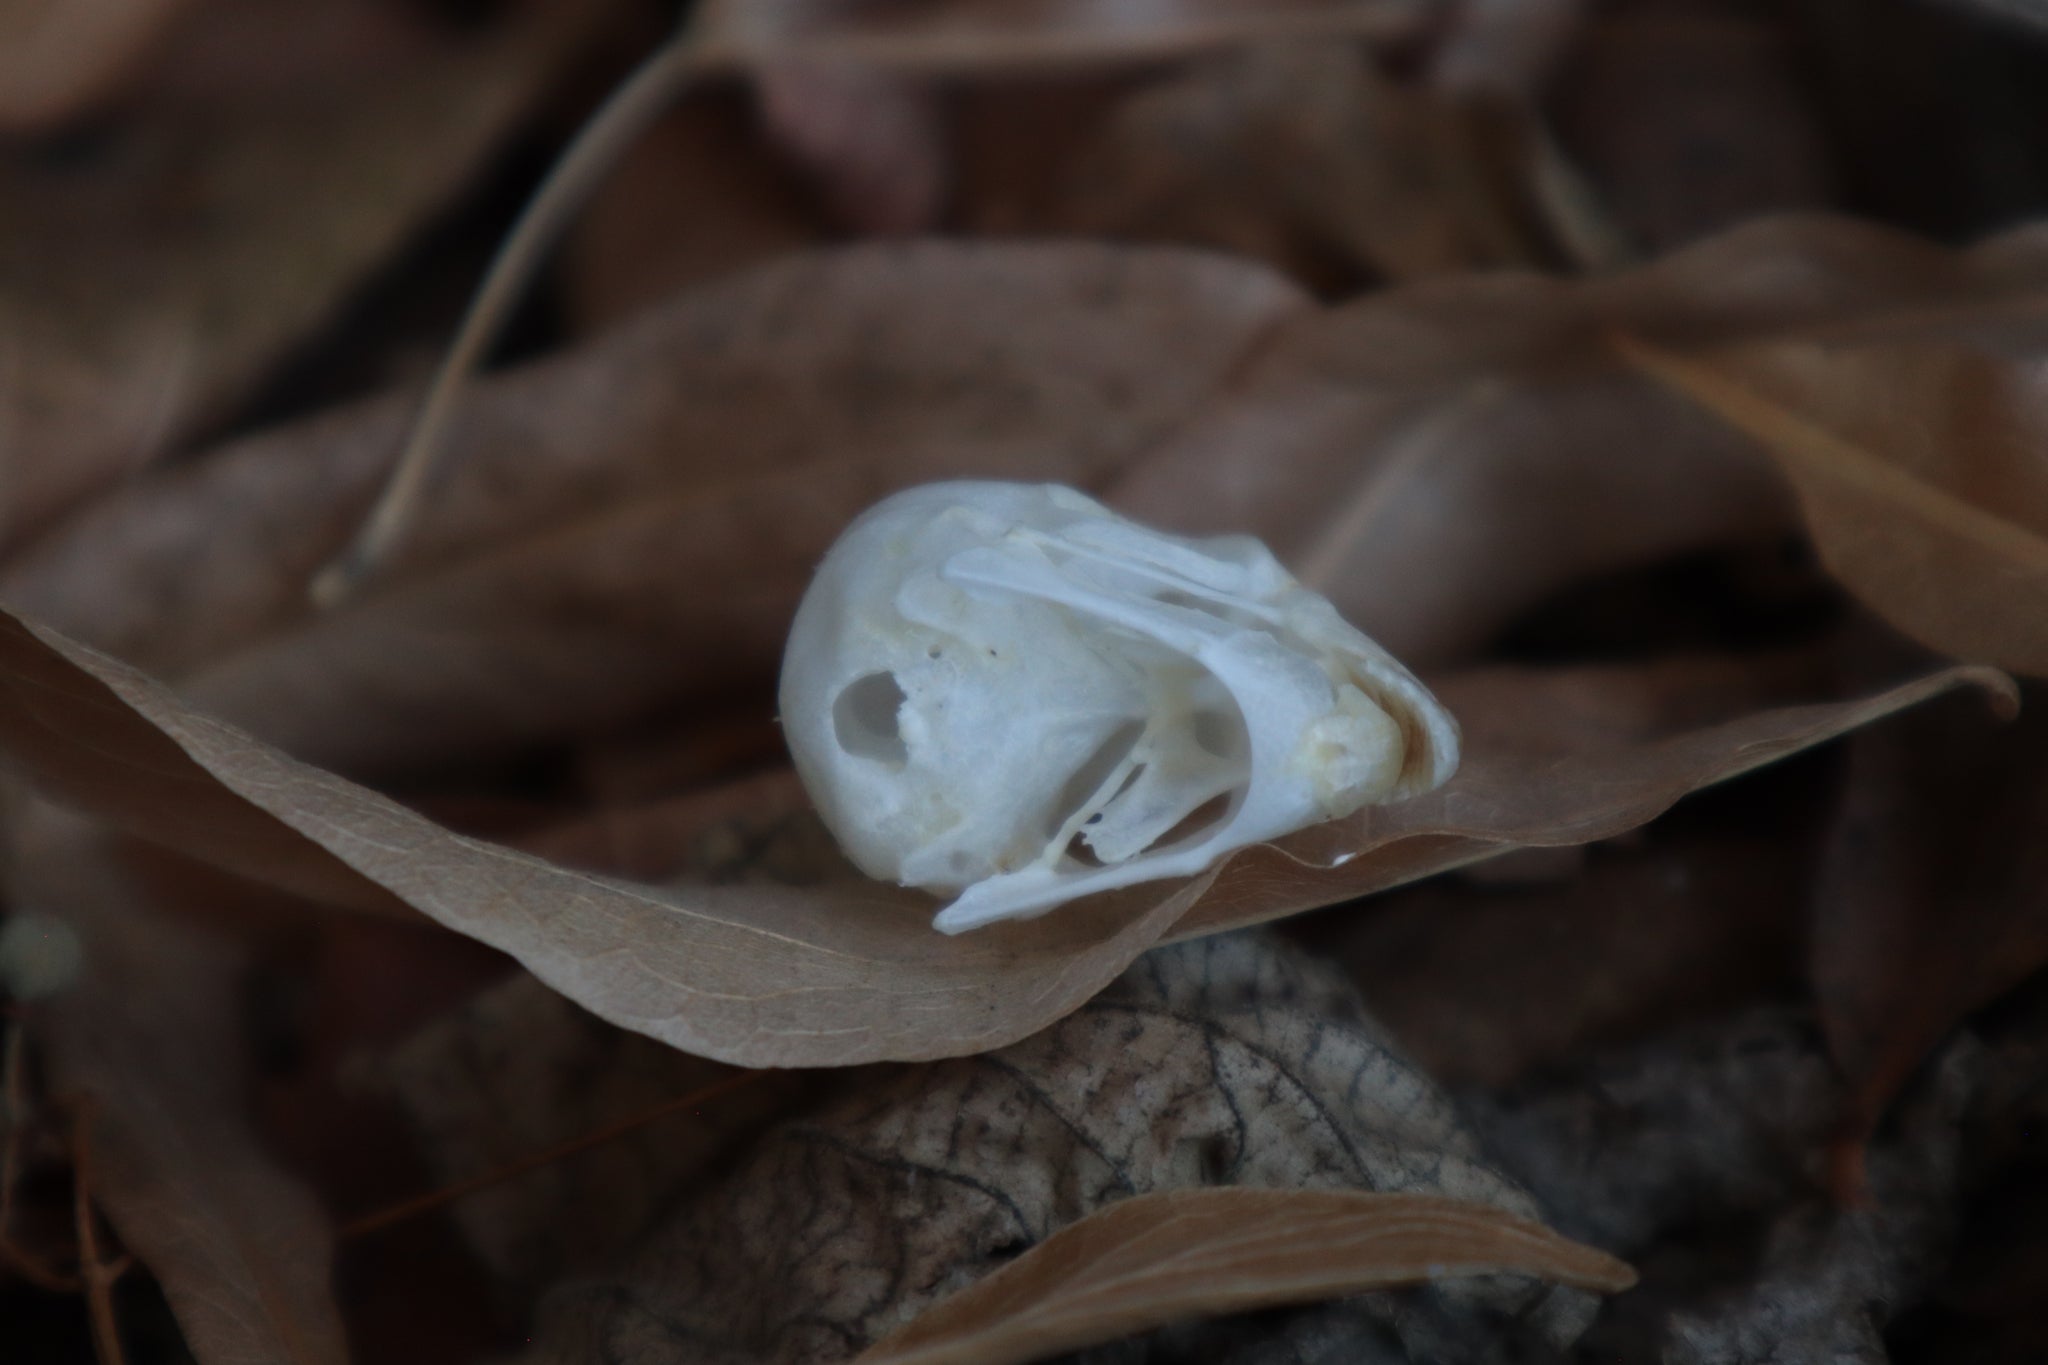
{"x":762,"y":976}
{"x":152,"y":277}
{"x":574,"y":642}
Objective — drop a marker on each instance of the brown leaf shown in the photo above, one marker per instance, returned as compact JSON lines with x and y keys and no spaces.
{"x":1687,"y":1153}
{"x":1151,"y":1259}
{"x":1484,"y":983}
{"x":1576,"y":749}
{"x":756,"y":975}
{"x":699,"y":195}
{"x":1927,"y":906}
{"x":1414,"y":444}
{"x":833,"y":975}
{"x":1693,"y":122}
{"x":55,"y":59}
{"x":1918,"y":470}
{"x":1227,"y":1062}
{"x":839,"y":86}
{"x":149,"y":1042}
{"x":940,"y":36}
{"x":760,"y":828}
{"x":839,"y":377}
{"x":146,"y":283}
{"x":520,"y":1070}
{"x":1408,"y":446}
{"x":1301,"y":154}
{"x":878,"y":144}
{"x":1504,"y":47}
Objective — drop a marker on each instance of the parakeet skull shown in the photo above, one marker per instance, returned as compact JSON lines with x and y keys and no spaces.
{"x":1008,"y":692}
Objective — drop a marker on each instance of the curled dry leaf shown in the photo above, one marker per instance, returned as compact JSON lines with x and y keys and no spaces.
{"x":1918,"y":468}
{"x":148,"y":1047}
{"x":146,"y":283}
{"x":1413,"y":443}
{"x":597,"y":493}
{"x":1227,"y":1062}
{"x":835,"y":974}
{"x":1591,"y":747}
{"x":1152,"y":1259}
{"x":1410,"y":445}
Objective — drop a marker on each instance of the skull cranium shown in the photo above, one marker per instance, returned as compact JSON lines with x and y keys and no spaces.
{"x":1008,"y":692}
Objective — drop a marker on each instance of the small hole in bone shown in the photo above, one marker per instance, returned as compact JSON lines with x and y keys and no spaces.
{"x":864,"y":719}
{"x":1221,"y":733}
{"x":1116,"y":746}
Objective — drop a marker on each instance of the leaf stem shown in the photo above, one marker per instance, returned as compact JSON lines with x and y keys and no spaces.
{"x":99,"y":1275}
{"x":627,"y":113}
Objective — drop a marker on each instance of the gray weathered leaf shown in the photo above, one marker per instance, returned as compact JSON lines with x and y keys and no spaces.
{"x":1228,"y":1062}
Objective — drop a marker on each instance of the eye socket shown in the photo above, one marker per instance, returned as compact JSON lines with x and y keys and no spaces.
{"x":864,"y":719}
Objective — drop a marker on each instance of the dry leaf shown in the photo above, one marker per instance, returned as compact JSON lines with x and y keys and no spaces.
{"x":57,"y":58}
{"x":1413,"y":443}
{"x":954,"y":36}
{"x":1483,"y":982}
{"x":1504,"y":47}
{"x":770,"y":976}
{"x":1586,"y":747}
{"x":758,"y":829}
{"x":877,"y":144}
{"x":680,"y":752}
{"x":1927,"y":906}
{"x":1152,"y":1259}
{"x":836,"y":378}
{"x":1693,"y":1155}
{"x":149,"y":1042}
{"x":1228,"y":1062}
{"x":148,"y":280}
{"x":1918,"y":468}
{"x":756,"y":975}
{"x":1301,"y":154}
{"x":1692,"y":122}
{"x":519,"y":1070}
{"x":1409,"y":445}
{"x":699,"y":195}
{"x":845,"y":85}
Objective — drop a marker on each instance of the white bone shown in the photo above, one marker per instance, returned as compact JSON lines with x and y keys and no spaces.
{"x":1008,"y":692}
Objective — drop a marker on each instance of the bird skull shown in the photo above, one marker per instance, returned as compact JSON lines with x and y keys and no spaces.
{"x":1009,"y":694}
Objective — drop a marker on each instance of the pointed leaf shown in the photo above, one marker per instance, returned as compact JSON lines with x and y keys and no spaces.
{"x":775,"y":976}
{"x":1151,"y":1259}
{"x":1952,"y":553}
{"x":149,"y":1043}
